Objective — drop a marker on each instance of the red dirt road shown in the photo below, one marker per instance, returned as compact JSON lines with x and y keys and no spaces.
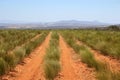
{"x":72,"y":69}
{"x":32,"y":67}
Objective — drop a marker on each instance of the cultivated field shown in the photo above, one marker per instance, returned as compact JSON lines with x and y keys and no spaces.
{"x":59,"y":55}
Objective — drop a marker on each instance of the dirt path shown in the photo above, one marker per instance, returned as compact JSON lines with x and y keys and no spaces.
{"x":113,"y":63}
{"x":72,"y":69}
{"x":31,"y":69}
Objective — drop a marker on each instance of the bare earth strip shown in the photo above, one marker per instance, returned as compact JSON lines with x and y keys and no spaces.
{"x":113,"y":63}
{"x":31,"y":69}
{"x":72,"y":69}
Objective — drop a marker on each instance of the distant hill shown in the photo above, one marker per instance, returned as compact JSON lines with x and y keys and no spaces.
{"x":75,"y":23}
{"x":58,"y":24}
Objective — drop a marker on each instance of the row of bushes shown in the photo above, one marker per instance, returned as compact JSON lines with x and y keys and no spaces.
{"x":9,"y":39}
{"x":102,"y":70}
{"x":105,"y":41}
{"x":9,"y":60}
{"x":70,"y":39}
{"x":52,"y":57}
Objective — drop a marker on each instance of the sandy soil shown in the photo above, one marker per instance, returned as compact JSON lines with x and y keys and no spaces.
{"x":31,"y":67}
{"x":112,"y":63}
{"x":72,"y":68}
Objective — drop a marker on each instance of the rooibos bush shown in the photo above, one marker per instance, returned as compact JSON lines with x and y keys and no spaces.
{"x":3,"y":66}
{"x":10,"y":59}
{"x":19,"y":53}
{"x":51,"y":68}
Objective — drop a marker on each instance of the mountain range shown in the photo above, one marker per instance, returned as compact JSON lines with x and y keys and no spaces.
{"x":57,"y":24}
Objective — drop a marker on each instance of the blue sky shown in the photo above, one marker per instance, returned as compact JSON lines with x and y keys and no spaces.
{"x":54,"y":10}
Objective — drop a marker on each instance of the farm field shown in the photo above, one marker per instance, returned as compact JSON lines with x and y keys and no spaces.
{"x":59,"y":55}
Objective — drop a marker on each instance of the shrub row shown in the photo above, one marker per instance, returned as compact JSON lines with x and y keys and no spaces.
{"x":9,"y":39}
{"x":105,"y":41}
{"x":51,"y":59}
{"x":9,"y":60}
{"x":102,"y":70}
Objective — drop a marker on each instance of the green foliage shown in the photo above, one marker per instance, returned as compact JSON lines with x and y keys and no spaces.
{"x":28,"y":49}
{"x":113,"y":27}
{"x":108,"y":75}
{"x":9,"y":39}
{"x":3,"y":66}
{"x":88,"y":58}
{"x":33,"y":44}
{"x":105,"y":41}
{"x":69,"y":38}
{"x":103,"y":71}
{"x":52,"y":53}
{"x":10,"y":54}
{"x":52,"y":57}
{"x":10,"y":59}
{"x":55,"y":36}
{"x":19,"y":54}
{"x":99,"y":41}
{"x":76,"y":48}
{"x":51,"y":68}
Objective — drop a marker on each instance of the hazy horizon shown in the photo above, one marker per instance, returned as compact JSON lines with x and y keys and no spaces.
{"x":106,"y":11}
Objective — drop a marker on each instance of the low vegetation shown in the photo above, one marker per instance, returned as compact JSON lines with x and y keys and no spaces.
{"x":51,"y":59}
{"x":106,"y":41}
{"x":17,"y":44}
{"x":103,"y":72}
{"x":9,"y":39}
{"x":9,"y":59}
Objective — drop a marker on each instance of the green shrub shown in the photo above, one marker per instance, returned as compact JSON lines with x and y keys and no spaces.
{"x":53,"y":42}
{"x":10,"y":39}
{"x":10,"y":59}
{"x":55,"y":35}
{"x":51,"y":69}
{"x":76,"y":48}
{"x":19,"y":54}
{"x":89,"y":59}
{"x":52,"y":53}
{"x":103,"y":71}
{"x":3,"y":66}
{"x":28,"y":49}
{"x":33,"y":44}
{"x":105,"y":41}
{"x":106,"y":74}
{"x":51,"y":59}
{"x":2,"y":52}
